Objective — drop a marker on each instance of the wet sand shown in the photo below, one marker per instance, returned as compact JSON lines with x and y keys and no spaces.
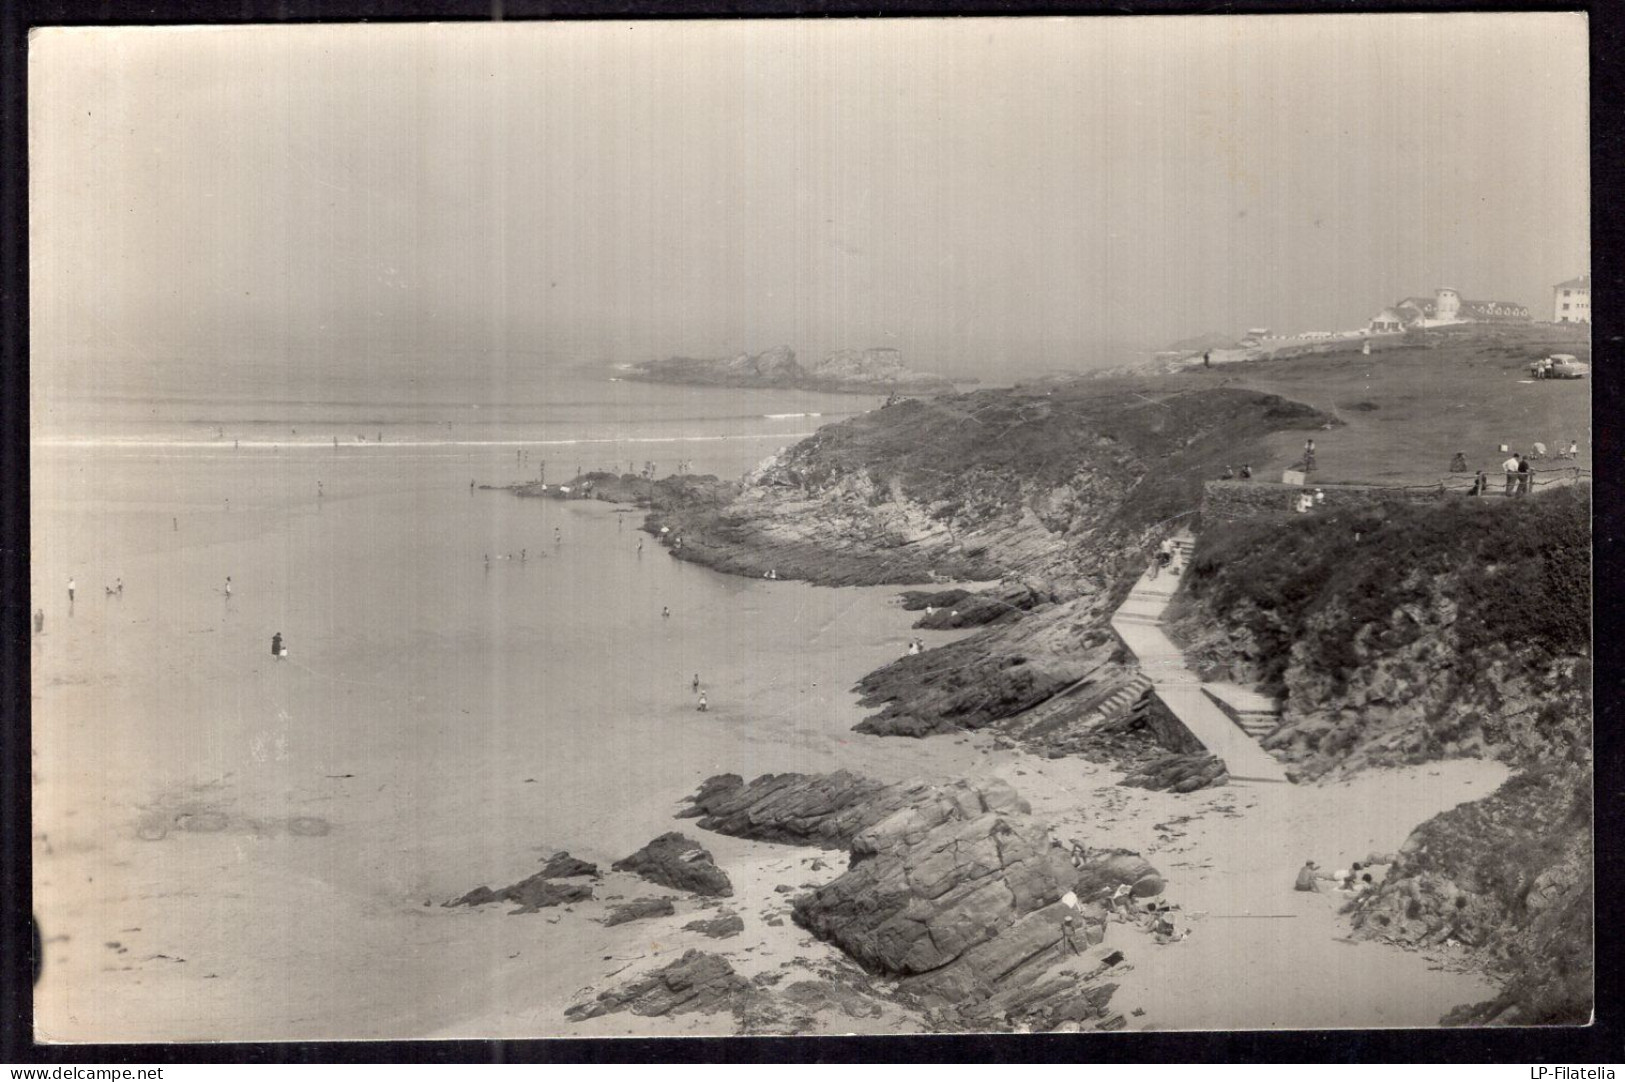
{"x":260,"y":837}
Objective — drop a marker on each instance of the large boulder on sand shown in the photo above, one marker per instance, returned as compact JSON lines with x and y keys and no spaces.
{"x":936,"y":879}
{"x":676,"y":861}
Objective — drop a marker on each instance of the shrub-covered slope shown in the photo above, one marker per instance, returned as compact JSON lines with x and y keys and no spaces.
{"x":1407,"y":633}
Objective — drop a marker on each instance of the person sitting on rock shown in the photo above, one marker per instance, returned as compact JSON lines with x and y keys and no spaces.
{"x":1308,"y":878}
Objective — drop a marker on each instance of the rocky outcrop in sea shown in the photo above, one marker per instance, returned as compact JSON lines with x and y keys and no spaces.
{"x":846,"y":371}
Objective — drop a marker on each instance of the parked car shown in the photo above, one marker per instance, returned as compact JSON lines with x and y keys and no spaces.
{"x":1560,"y":366}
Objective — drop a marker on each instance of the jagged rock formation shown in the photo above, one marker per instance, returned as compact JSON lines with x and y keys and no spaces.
{"x":675,"y":861}
{"x":639,"y":909}
{"x":867,"y":371}
{"x":826,"y":810}
{"x":955,"y":889}
{"x":695,"y":982}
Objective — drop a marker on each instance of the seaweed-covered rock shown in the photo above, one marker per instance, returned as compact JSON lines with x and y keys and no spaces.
{"x":679,"y":862}
{"x":724,"y":926}
{"x":536,"y":892}
{"x":640,"y":909}
{"x":1180,"y":774}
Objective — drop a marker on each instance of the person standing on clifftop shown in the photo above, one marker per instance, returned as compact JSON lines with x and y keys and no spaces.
{"x":1510,"y":466}
{"x":1308,"y":454}
{"x":1525,"y":475}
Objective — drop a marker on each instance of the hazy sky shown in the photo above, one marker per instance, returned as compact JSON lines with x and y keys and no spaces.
{"x":976,"y":192}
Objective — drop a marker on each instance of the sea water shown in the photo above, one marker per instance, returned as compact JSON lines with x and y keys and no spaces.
{"x":471,"y":679}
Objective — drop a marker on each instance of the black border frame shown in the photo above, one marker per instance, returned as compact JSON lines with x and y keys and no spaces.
{"x":1601,"y":1043}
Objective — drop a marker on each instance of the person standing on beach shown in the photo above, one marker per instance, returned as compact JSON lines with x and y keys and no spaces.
{"x":71,"y":585}
{"x":276,"y":646}
{"x":118,"y":587}
{"x":696,"y":685}
{"x":704,"y":706}
{"x":640,"y":546}
{"x":665,"y":612}
{"x":39,"y":621}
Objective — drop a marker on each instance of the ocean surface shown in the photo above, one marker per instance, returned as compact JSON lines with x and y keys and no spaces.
{"x":437,"y":722}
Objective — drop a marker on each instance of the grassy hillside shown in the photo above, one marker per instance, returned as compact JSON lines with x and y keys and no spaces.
{"x":1417,"y":400}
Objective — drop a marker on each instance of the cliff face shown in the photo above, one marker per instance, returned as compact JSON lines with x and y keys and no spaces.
{"x":1407,"y":634}
{"x":869,"y":371}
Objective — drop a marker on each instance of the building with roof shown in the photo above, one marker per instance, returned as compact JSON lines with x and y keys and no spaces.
{"x":1444,"y":308}
{"x":1571,"y":300}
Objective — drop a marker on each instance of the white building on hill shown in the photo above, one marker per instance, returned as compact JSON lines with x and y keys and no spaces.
{"x":1571,"y":300}
{"x":1444,"y":308}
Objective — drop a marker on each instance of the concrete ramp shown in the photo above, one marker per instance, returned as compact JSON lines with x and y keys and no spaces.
{"x":1138,"y":622}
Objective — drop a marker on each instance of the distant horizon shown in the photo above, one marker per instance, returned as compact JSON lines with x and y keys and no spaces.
{"x":992,"y":197}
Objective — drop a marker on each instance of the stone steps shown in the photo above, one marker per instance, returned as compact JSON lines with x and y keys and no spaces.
{"x":1138,"y":623}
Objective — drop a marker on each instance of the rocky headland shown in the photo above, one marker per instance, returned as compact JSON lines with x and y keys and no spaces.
{"x":1393,"y":636}
{"x":846,"y":371}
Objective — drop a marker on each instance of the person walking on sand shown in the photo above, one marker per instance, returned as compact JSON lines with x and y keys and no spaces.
{"x":276,"y":646}
{"x":118,"y":587}
{"x":665,"y":612}
{"x":39,"y":621}
{"x":228,"y":587}
{"x":704,"y":706}
{"x":640,"y":546}
{"x":696,"y":685}
{"x":1510,"y":466}
{"x":71,"y":586}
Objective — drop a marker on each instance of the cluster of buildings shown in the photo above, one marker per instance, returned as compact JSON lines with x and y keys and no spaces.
{"x":1571,"y":303}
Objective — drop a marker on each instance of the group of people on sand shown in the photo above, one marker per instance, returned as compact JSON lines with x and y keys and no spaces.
{"x":703,"y":705}
{"x":916,"y":646}
{"x":1355,"y":879}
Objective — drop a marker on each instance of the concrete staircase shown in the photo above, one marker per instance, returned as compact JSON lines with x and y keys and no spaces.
{"x":1230,"y":736}
{"x":1258,"y":715}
